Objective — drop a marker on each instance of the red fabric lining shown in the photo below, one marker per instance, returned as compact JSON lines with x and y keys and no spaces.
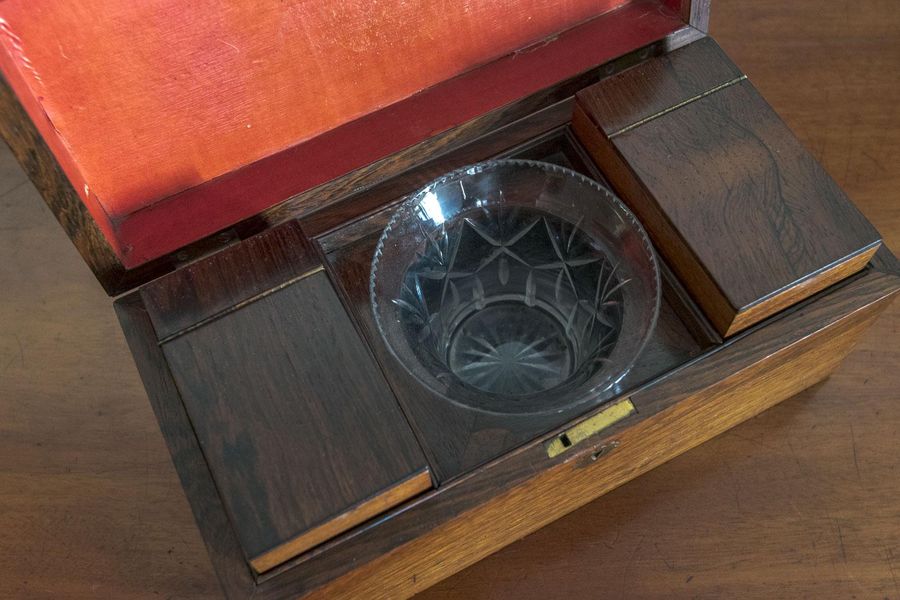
{"x":151,"y":227}
{"x":19,"y":78}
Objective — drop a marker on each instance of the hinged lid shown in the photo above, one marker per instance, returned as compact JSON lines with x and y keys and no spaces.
{"x":745,"y":215}
{"x":173,"y":123}
{"x":300,"y":430}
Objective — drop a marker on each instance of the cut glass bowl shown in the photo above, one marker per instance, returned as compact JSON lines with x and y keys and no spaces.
{"x":515,"y":286}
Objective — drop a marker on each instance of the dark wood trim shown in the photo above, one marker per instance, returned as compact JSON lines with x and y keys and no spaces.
{"x":202,"y":290}
{"x":32,"y":152}
{"x":45,"y":172}
{"x":727,"y":320}
{"x":302,"y":435}
{"x":221,"y":541}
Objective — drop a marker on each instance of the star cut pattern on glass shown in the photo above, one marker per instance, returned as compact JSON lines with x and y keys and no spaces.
{"x":512,"y":301}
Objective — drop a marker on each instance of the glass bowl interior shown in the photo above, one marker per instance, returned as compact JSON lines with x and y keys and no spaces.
{"x":515,"y":286}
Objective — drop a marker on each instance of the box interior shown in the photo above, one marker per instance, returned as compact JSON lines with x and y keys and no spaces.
{"x":458,"y":439}
{"x":223,"y":301}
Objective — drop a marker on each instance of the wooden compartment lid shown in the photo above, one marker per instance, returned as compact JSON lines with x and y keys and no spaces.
{"x":300,"y":431}
{"x":748,"y":219}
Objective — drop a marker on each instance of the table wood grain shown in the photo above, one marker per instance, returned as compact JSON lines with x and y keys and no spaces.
{"x":798,"y":502}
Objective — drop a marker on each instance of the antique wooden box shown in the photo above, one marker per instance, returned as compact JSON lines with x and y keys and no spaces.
{"x":227,"y":176}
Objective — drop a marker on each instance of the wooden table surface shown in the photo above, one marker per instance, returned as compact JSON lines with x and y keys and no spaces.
{"x":803,"y":501}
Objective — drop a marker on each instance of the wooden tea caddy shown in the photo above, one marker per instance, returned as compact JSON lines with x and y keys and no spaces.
{"x":314,"y":464}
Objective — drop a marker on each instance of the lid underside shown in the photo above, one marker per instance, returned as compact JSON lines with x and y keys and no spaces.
{"x":173,"y":125}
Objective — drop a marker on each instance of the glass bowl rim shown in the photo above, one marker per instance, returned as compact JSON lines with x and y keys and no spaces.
{"x":414,"y":199}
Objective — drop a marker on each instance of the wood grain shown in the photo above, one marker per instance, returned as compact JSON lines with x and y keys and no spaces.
{"x":89,"y":501}
{"x":509,"y":472}
{"x":646,"y":444}
{"x":657,"y":85}
{"x":205,"y":288}
{"x":302,"y":435}
{"x":749,"y":220}
{"x":209,"y":513}
{"x":365,"y":510}
{"x":516,"y":470}
{"x":798,"y":502}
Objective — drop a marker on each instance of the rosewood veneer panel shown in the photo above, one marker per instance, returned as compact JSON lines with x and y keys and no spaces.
{"x":745,"y":215}
{"x":301,"y":433}
{"x":205,"y":288}
{"x":658,"y":85}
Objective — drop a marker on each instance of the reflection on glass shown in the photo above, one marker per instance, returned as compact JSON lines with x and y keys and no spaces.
{"x":515,"y":286}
